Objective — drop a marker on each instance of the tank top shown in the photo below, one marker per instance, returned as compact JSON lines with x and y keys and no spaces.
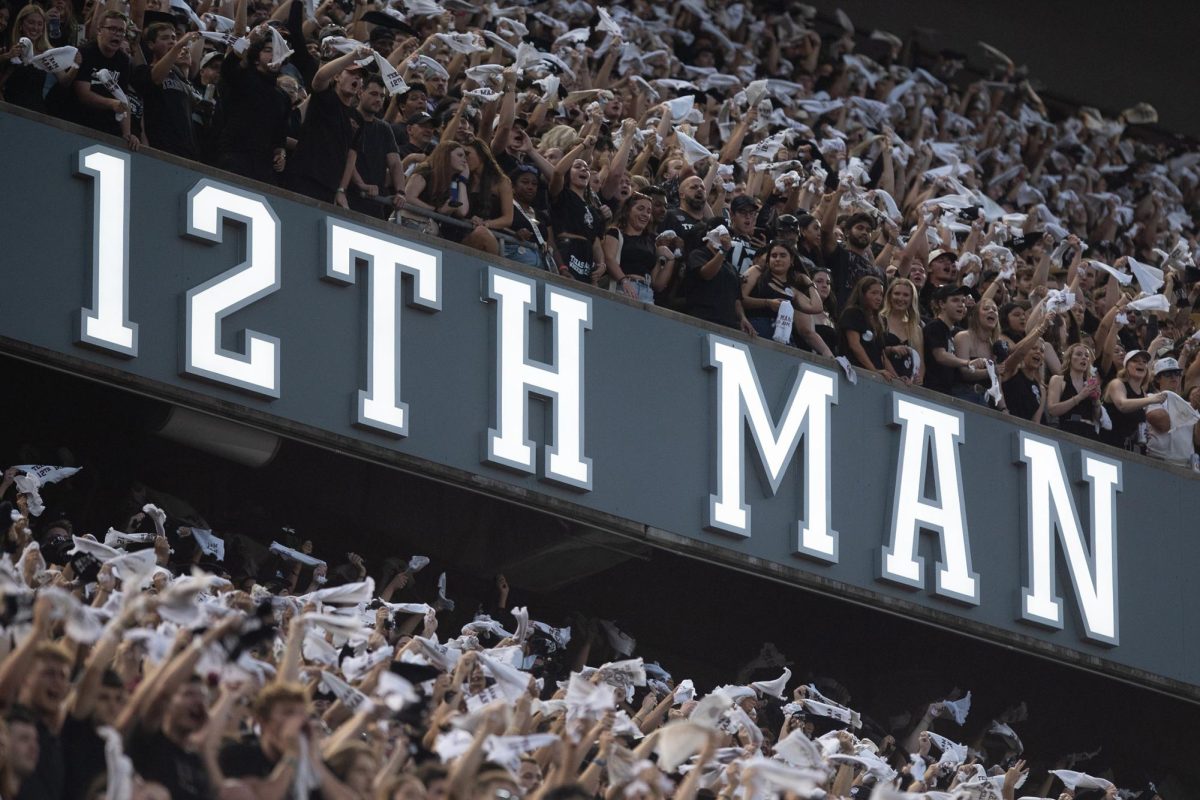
{"x":767,"y":291}
{"x":1079,"y":420}
{"x":1124,"y":424}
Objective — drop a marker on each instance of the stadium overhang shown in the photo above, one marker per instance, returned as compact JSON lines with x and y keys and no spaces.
{"x":249,"y":304}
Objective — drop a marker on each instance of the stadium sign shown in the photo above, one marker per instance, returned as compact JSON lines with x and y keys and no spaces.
{"x":265,"y":308}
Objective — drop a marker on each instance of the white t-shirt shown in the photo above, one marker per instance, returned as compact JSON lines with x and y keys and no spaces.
{"x":1174,"y":445}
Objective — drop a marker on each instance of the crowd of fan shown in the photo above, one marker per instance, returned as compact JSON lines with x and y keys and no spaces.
{"x":759,"y":167}
{"x":166,"y":660}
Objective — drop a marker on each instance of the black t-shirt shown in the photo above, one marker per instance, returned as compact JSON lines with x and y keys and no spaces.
{"x":252,"y":113}
{"x":378,"y":143}
{"x":47,"y":779}
{"x":714,"y":299}
{"x":1022,"y":396}
{"x":101,"y":119}
{"x":637,"y":253}
{"x":569,"y":213}
{"x":26,"y":87}
{"x":855,"y":319}
{"x":938,"y":334}
{"x":157,"y":758}
{"x":245,"y":759}
{"x":168,"y":111}
{"x":846,"y":269}
{"x":79,"y":738}
{"x":689,"y":228}
{"x":326,"y":137}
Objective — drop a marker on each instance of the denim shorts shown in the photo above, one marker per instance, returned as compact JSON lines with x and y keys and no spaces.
{"x":522,"y":253}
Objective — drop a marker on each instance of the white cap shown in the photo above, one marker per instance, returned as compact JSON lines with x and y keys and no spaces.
{"x":1166,"y":365}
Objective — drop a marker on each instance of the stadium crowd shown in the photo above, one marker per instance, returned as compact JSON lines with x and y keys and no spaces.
{"x":167,"y":660}
{"x":754,"y":165}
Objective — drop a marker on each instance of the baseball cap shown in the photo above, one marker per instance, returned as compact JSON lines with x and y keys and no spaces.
{"x":1166,"y":365}
{"x":939,"y":253}
{"x":208,"y":57}
{"x":950,"y":290}
{"x":1129,"y":356}
{"x":787,"y":222}
{"x":743,"y":203}
{"x":419,"y":118}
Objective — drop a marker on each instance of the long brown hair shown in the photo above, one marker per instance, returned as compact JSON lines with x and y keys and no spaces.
{"x":856,"y":301}
{"x":795,"y":269}
{"x":627,"y":208}
{"x":438,"y":172}
{"x":491,"y":176}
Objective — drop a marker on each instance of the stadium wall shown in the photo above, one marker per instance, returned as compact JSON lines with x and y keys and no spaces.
{"x":256,"y":305}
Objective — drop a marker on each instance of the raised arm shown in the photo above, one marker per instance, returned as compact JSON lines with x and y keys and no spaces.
{"x":564,"y":165}
{"x":326,"y":74}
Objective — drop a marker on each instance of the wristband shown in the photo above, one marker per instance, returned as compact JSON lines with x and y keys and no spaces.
{"x":340,"y":191}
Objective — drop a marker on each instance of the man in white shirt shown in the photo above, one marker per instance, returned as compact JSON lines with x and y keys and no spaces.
{"x":1173,"y":431}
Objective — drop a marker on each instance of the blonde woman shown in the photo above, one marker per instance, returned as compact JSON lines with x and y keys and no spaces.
{"x":981,"y":340}
{"x":1126,"y":400}
{"x":902,"y":329}
{"x":24,"y":84}
{"x":1074,"y":393}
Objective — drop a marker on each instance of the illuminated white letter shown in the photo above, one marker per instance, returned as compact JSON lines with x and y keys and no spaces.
{"x":923,"y":425}
{"x":740,"y":402}
{"x":209,"y":205}
{"x":517,"y":376}
{"x":1093,"y":566}
{"x":379,"y":406}
{"x":106,"y":324}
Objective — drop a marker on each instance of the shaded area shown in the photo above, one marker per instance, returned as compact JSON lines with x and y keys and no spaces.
{"x":1105,"y":54}
{"x":697,"y":619}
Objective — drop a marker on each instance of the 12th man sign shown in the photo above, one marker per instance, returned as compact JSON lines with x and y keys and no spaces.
{"x":268,"y":309}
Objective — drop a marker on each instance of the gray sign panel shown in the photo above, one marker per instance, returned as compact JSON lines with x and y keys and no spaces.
{"x":306,"y":347}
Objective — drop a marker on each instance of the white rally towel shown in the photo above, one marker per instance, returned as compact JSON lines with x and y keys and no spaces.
{"x":109,"y":81}
{"x":209,"y":543}
{"x":392,"y":80}
{"x":783,"y":322}
{"x":279,"y":49}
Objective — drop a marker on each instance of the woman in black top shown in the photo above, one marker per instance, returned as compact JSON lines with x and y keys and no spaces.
{"x":635,"y":263}
{"x":1125,"y":400}
{"x":902,"y":329}
{"x":438,"y":184}
{"x":491,"y":195}
{"x":766,"y":287}
{"x":578,"y":223}
{"x":860,"y":328}
{"x":1074,"y":394}
{"x":808,"y":243}
{"x":530,"y":222}
{"x":817,"y":330}
{"x":1021,"y":376}
{"x":24,"y":84}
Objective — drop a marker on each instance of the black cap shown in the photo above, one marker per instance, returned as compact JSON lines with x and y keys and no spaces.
{"x":1020,"y":244}
{"x":743,"y":202}
{"x":151,"y":17}
{"x":419,"y":118}
{"x":787,"y":222}
{"x":950,"y":290}
{"x":388,"y":21}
